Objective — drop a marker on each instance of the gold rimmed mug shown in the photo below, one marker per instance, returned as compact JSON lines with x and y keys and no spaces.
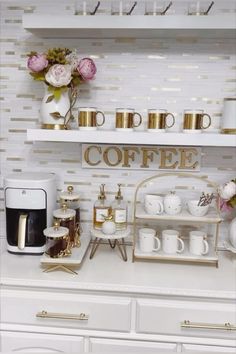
{"x":88,"y":118}
{"x":125,"y":119}
{"x":158,"y":120}
{"x":194,"y":121}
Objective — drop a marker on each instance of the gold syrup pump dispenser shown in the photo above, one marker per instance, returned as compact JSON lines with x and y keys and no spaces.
{"x":72,"y":199}
{"x":120,"y":210}
{"x":101,"y":209}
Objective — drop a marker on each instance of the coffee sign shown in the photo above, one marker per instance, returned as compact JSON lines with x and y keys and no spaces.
{"x":169,"y":158}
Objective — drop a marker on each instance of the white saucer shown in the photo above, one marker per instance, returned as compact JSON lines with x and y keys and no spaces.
{"x":192,"y":131}
{"x":124,"y":130}
{"x":156,"y":130}
{"x":87,"y":128}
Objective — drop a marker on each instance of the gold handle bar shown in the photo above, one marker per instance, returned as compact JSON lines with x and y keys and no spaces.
{"x":62,"y":316}
{"x":226,"y":326}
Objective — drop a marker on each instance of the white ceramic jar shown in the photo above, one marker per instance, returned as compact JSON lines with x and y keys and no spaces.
{"x":172,"y":203}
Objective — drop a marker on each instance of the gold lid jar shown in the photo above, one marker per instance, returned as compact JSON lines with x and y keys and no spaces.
{"x":66,"y":218}
{"x":57,"y":241}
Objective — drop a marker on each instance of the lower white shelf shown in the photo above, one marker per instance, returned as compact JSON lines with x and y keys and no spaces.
{"x":185,"y":256}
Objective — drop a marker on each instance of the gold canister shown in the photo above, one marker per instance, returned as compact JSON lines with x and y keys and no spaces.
{"x":66,"y":218}
{"x":194,"y":120}
{"x":157,"y":119}
{"x":88,"y":118}
{"x":57,"y":241}
{"x":125,"y":118}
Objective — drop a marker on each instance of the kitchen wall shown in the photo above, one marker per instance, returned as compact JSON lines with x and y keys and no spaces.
{"x":142,"y":73}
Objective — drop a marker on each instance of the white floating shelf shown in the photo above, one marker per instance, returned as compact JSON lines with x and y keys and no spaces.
{"x":211,"y":217}
{"x":137,"y":26}
{"x":186,"y":256}
{"x":132,"y":138}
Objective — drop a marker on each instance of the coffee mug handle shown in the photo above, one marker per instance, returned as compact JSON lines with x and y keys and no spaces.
{"x":140,"y":120}
{"x":161,"y":207}
{"x":103,"y":118}
{"x":209,"y":123}
{"x":181,"y":242}
{"x":173,"y":121}
{"x":206,"y":246}
{"x":158,"y":244}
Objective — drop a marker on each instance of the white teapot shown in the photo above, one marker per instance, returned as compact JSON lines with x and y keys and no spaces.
{"x":172,"y":203}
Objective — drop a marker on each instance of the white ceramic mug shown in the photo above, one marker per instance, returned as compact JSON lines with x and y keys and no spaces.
{"x":197,"y":210}
{"x":147,"y":240}
{"x":197,"y":243}
{"x":153,"y":204}
{"x":171,"y":242}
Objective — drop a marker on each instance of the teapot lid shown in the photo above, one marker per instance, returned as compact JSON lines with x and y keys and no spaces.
{"x":69,"y":194}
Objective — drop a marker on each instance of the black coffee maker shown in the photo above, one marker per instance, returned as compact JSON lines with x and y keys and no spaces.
{"x":30,"y":199}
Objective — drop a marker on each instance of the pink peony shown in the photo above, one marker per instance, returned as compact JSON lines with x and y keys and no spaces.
{"x":87,"y":69}
{"x":59,"y":75}
{"x":37,"y":62}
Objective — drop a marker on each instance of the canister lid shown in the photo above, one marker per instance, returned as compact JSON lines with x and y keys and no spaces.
{"x":56,"y":231}
{"x":64,"y":212}
{"x":70,"y":194}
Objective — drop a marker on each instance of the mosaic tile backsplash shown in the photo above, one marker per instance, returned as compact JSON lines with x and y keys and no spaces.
{"x":174,"y":74}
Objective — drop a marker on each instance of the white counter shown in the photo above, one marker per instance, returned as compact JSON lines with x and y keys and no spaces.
{"x":108,"y":272}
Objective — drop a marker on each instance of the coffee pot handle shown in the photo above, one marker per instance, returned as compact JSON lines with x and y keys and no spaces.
{"x":21,"y":231}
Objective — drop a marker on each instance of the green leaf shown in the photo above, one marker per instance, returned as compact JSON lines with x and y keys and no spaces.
{"x":50,"y":98}
{"x":56,"y":115}
{"x":38,"y":76}
{"x":57,"y":94}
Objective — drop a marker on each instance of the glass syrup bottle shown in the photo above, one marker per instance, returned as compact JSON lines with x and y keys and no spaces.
{"x":101,"y":209}
{"x":120,"y":211}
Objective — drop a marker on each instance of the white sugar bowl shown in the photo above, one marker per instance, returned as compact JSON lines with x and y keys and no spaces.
{"x":109,"y":226}
{"x":172,"y":203}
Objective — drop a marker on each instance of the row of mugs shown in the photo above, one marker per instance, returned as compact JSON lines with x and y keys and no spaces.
{"x":171,"y":204}
{"x":171,"y":242}
{"x":158,"y":119}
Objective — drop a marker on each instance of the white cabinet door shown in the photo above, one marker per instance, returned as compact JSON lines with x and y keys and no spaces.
{"x":100,"y":345}
{"x":192,"y":348}
{"x":40,"y":343}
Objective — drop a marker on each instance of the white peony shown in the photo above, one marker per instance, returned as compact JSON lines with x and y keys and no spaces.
{"x":228,"y":190}
{"x":73,"y":59}
{"x":59,"y":75}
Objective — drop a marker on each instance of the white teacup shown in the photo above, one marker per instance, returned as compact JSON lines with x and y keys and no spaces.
{"x":197,"y":243}
{"x":147,"y":240}
{"x":197,"y":210}
{"x":171,"y":241}
{"x":153,"y":204}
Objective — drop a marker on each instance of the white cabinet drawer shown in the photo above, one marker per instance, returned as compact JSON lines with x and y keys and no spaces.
{"x":207,"y":349}
{"x":100,"y":345}
{"x":166,"y":316}
{"x":40,"y":343}
{"x":103,"y":312}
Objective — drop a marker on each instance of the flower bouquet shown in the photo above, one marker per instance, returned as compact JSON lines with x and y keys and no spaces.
{"x":227,"y":194}
{"x":62,"y":72}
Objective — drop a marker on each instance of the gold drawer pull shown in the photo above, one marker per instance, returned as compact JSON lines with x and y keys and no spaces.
{"x":226,"y":326}
{"x":62,"y":316}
